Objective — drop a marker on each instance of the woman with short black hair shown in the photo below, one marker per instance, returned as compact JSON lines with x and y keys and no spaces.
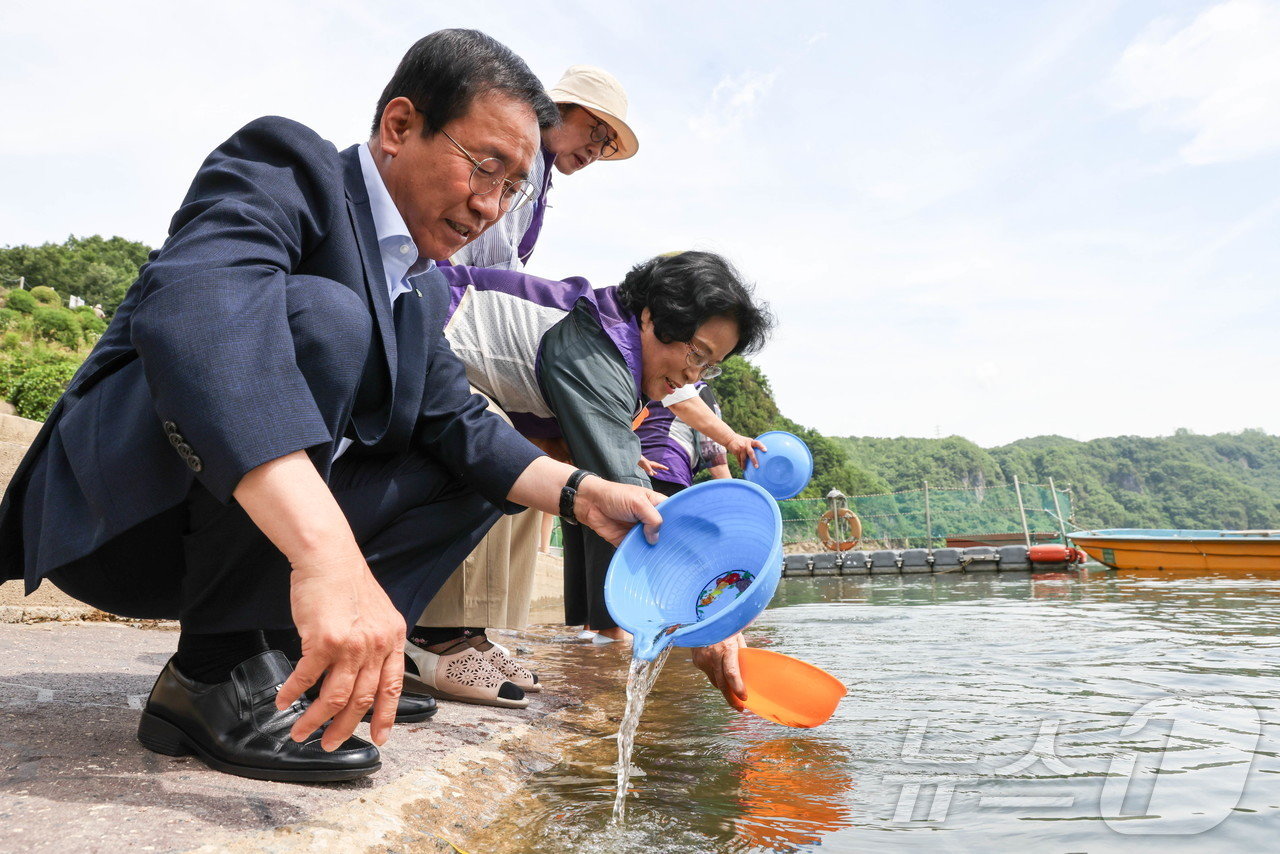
{"x":683,"y":289}
{"x":569,"y":362}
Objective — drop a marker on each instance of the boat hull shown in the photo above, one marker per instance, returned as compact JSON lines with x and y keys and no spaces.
{"x":1175,"y":551}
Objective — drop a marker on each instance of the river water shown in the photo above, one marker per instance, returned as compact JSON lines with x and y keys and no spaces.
{"x":1069,"y":712}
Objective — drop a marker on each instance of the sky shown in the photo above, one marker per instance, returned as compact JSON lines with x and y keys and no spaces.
{"x":987,"y":219}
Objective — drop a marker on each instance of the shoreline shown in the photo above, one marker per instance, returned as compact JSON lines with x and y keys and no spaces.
{"x":75,"y":776}
{"x":74,"y":679}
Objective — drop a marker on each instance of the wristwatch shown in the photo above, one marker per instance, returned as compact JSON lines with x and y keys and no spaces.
{"x":568,"y":493}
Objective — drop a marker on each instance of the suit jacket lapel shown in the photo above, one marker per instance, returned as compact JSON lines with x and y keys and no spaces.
{"x":371,"y":423}
{"x":412,"y":324}
{"x":375,"y":278}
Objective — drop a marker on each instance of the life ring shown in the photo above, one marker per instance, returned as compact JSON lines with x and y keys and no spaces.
{"x":855,"y":530}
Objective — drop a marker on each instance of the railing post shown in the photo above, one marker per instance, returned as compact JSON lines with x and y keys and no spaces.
{"x":1026,"y":532}
{"x":1057,"y":511}
{"x":928,"y":520}
{"x":837,"y":500}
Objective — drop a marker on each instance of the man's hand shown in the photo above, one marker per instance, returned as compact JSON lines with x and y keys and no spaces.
{"x":611,"y":509}
{"x":350,"y":631}
{"x":348,"y":625}
{"x":720,"y":663}
{"x":744,"y":449}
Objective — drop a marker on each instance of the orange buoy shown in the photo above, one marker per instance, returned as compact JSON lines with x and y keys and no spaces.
{"x":855,"y":530}
{"x":1050,"y":554}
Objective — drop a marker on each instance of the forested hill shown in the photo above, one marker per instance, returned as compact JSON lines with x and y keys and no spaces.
{"x":97,"y":269}
{"x":1229,"y":480}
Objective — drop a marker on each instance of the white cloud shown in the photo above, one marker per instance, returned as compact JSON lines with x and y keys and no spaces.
{"x":1217,"y":78}
{"x":732,"y":104}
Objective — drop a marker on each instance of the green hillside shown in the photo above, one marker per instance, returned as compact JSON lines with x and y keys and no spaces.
{"x":1228,"y":480}
{"x":97,"y":269}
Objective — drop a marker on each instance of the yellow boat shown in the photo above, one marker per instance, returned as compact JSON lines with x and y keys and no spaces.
{"x":1171,"y":549}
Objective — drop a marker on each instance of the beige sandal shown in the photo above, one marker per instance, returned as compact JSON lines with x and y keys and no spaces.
{"x":465,"y":676}
{"x":515,"y":672}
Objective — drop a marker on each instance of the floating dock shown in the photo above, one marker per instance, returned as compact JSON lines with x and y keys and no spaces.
{"x":911,"y":561}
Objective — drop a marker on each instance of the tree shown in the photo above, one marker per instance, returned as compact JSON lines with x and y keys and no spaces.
{"x":95,"y":268}
{"x":20,"y":300}
{"x":747,"y":404}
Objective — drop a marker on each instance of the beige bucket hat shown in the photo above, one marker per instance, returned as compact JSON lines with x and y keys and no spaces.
{"x":599,"y":92}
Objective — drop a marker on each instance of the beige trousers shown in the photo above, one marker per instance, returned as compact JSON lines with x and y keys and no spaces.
{"x":493,"y":586}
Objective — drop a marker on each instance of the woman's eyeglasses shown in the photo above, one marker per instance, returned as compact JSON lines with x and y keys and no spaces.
{"x":606,"y":139}
{"x":695,"y":359}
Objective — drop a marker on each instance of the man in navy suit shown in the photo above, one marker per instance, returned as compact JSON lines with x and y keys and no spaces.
{"x":274,"y":444}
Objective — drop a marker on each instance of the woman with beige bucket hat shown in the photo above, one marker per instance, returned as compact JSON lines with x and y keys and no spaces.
{"x":593,"y":110}
{"x":494,"y":586}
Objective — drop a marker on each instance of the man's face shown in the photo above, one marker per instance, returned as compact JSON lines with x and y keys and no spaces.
{"x":428,"y":178}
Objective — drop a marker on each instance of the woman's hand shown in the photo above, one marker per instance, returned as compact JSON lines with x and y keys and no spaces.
{"x":720,"y":663}
{"x":744,"y":449}
{"x":651,"y":468}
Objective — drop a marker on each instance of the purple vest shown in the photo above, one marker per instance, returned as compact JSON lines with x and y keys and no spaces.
{"x":530,"y":237}
{"x":508,"y":314}
{"x":667,"y":440}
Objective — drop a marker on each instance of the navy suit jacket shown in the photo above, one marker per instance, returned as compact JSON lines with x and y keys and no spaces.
{"x":202,"y":344}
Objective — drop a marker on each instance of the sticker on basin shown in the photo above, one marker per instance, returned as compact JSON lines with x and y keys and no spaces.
{"x":709,"y":601}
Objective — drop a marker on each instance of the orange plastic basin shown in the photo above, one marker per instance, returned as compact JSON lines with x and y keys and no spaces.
{"x":787,"y":690}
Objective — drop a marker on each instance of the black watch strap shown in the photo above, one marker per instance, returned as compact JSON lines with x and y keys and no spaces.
{"x":569,"y":493}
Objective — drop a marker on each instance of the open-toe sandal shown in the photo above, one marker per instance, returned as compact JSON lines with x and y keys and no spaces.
{"x":461,"y":674}
{"x":500,"y":657}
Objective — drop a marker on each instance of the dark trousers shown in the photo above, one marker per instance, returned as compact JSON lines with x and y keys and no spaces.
{"x":415,"y":524}
{"x":206,"y":563}
{"x":586,"y":563}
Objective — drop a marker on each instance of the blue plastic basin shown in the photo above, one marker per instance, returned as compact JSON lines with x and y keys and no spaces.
{"x":785,"y":468}
{"x":715,"y":567}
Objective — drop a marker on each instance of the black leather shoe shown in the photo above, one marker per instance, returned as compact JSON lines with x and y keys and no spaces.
{"x":411,"y":709}
{"x":234,"y":726}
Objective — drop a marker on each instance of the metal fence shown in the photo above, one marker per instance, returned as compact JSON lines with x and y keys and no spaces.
{"x":931,"y":516}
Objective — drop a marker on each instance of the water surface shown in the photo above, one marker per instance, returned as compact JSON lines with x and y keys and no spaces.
{"x":1073,"y":712}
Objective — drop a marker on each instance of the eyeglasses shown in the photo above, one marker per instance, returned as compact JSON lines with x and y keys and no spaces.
{"x":602,"y":136}
{"x":695,"y":359}
{"x":488,"y":174}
